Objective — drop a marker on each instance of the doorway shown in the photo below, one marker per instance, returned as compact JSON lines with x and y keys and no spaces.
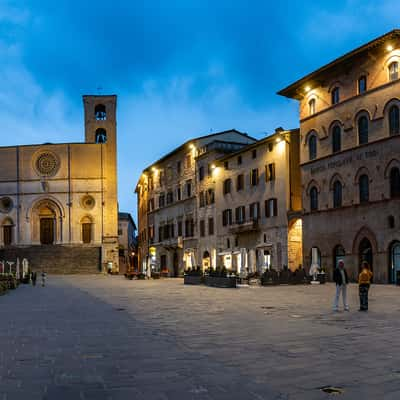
{"x":394,"y":267}
{"x":46,"y":230}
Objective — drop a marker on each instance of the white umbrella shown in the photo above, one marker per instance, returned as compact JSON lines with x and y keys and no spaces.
{"x":192,"y":259}
{"x":25,"y":267}
{"x":243,"y":261}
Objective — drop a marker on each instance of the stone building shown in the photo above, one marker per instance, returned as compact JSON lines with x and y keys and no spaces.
{"x":58,"y":202}
{"x":350,"y":159}
{"x":167,"y":192}
{"x":258,"y":203}
{"x":127,"y":242}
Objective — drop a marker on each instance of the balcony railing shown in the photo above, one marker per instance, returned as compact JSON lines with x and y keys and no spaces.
{"x":249,"y":225}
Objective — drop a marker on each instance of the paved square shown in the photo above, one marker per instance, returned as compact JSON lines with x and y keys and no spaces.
{"x":102,"y":337}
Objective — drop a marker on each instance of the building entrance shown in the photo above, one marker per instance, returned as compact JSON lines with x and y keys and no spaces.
{"x":47,"y":230}
{"x":394,"y":267}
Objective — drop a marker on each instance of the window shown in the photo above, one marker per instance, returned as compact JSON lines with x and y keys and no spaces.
{"x":254,"y":209}
{"x":391,"y":221}
{"x":179,"y":228}
{"x":228,"y":243}
{"x":201,"y":173}
{"x":394,"y":123}
{"x":210,"y":197}
{"x":270,"y":172}
{"x":151,"y":204}
{"x":7,"y":235}
{"x":337,"y":194}
{"x":178,"y":193}
{"x":202,"y":199}
{"x":271,"y":208}
{"x":364,"y":188}
{"x":254,"y":177}
{"x":161,"y":200}
{"x":335,"y":95}
{"x":270,"y":146}
{"x":240,"y":182}
{"x":312,"y":147}
{"x":227,"y":217}
{"x":160,"y":178}
{"x":311,"y":107}
{"x":189,"y":227}
{"x":240,"y":214}
{"x":314,"y":198}
{"x":239,"y":160}
{"x":362,"y":130}
{"x":101,"y":135}
{"x":178,"y":167}
{"x":160,"y":233}
{"x":254,"y":153}
{"x":226,"y":164}
{"x":100,"y":112}
{"x":393,"y":71}
{"x":336,"y":139}
{"x":188,"y":188}
{"x":395,"y":182}
{"x":170,"y":197}
{"x":362,"y":84}
{"x":227,"y":186}
{"x":202,"y":228}
{"x":211,"y":226}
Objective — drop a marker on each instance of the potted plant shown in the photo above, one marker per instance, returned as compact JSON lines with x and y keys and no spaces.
{"x":141,"y":276}
{"x":269,"y":277}
{"x":220,"y":277}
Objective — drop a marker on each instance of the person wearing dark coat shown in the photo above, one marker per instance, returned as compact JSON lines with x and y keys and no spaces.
{"x":341,"y":279}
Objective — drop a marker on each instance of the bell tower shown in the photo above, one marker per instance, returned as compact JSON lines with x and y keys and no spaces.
{"x":101,"y":130}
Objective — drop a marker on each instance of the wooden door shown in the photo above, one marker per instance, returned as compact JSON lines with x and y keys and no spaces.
{"x":46,"y":230}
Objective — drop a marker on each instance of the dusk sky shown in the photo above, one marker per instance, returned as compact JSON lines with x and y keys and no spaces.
{"x":181,"y":69}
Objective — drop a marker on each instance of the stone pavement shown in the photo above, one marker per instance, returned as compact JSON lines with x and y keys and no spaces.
{"x":102,"y":337}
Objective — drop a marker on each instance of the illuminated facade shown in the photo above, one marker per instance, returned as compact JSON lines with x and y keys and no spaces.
{"x":350,"y":163}
{"x":58,"y":202}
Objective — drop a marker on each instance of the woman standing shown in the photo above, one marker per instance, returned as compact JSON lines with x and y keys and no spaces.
{"x":364,"y":282}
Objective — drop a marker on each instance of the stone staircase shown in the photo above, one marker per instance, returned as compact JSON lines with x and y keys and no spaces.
{"x":56,"y":259}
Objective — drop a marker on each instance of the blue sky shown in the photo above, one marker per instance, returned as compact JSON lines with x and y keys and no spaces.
{"x":180,"y":68}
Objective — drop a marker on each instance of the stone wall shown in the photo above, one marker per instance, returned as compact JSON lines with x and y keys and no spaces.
{"x":57,"y":259}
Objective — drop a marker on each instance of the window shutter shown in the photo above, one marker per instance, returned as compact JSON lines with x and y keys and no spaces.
{"x":272,"y":171}
{"x":237,"y":213}
{"x":267,"y":213}
{"x":275,"y":203}
{"x":267,"y":177}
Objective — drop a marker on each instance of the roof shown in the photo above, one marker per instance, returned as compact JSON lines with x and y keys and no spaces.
{"x":292,"y":91}
{"x":126,"y":216}
{"x":177,"y":149}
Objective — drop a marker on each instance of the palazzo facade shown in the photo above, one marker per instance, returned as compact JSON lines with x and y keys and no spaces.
{"x":350,"y":159}
{"x":58,"y":202}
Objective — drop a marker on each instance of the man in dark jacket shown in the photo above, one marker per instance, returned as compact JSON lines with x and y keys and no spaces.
{"x":341,"y":279}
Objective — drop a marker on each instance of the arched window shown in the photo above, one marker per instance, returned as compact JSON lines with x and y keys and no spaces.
{"x":101,"y":135}
{"x":363,"y":184}
{"x":336,"y":139}
{"x":100,"y":112}
{"x":337,"y":194}
{"x":314,"y":198}
{"x":393,"y":71}
{"x":335,"y":95}
{"x":394,"y":120}
{"x":394,"y":182}
{"x":311,"y":107}
{"x":86,"y":230}
{"x":312,"y":147}
{"x":362,"y":84}
{"x":363,"y":130}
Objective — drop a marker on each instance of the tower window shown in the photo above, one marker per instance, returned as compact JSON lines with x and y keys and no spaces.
{"x":101,"y":135}
{"x":335,"y":95}
{"x":100,"y":112}
{"x":311,"y":107}
{"x":394,"y":71}
{"x":362,"y":84}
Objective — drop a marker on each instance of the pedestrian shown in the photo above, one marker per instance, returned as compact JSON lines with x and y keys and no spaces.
{"x":341,"y":279}
{"x":34,"y":277}
{"x":43,"y":278}
{"x":364,"y":282}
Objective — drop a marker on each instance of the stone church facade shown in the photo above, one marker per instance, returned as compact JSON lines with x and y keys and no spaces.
{"x":350,"y":159}
{"x":58,"y":202}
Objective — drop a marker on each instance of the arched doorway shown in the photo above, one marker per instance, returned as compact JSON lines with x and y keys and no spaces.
{"x":394,"y":265}
{"x":338,"y":255}
{"x":365,"y":252}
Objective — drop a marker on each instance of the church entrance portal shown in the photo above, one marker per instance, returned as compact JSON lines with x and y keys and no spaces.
{"x":47,"y":230}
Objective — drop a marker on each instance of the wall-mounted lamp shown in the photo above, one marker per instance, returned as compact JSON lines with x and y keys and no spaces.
{"x":389,"y":47}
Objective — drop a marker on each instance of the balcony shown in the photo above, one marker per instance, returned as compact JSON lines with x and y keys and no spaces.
{"x":250,"y":225}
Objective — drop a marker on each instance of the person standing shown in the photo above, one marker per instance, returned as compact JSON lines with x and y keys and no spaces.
{"x":43,"y":278}
{"x":364,"y":282}
{"x":341,"y":279}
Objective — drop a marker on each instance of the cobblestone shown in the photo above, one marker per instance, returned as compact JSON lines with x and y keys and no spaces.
{"x":102,"y":337}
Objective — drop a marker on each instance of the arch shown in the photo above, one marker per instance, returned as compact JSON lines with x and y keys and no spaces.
{"x":389,"y":103}
{"x":394,"y":162}
{"x":364,"y":232}
{"x":336,"y":177}
{"x":87,"y":219}
{"x":361,"y":171}
{"x":100,"y":112}
{"x":333,"y":85}
{"x":310,"y":133}
{"x":360,"y":112}
{"x":101,"y":135}
{"x":312,"y":183}
{"x":7,"y":221}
